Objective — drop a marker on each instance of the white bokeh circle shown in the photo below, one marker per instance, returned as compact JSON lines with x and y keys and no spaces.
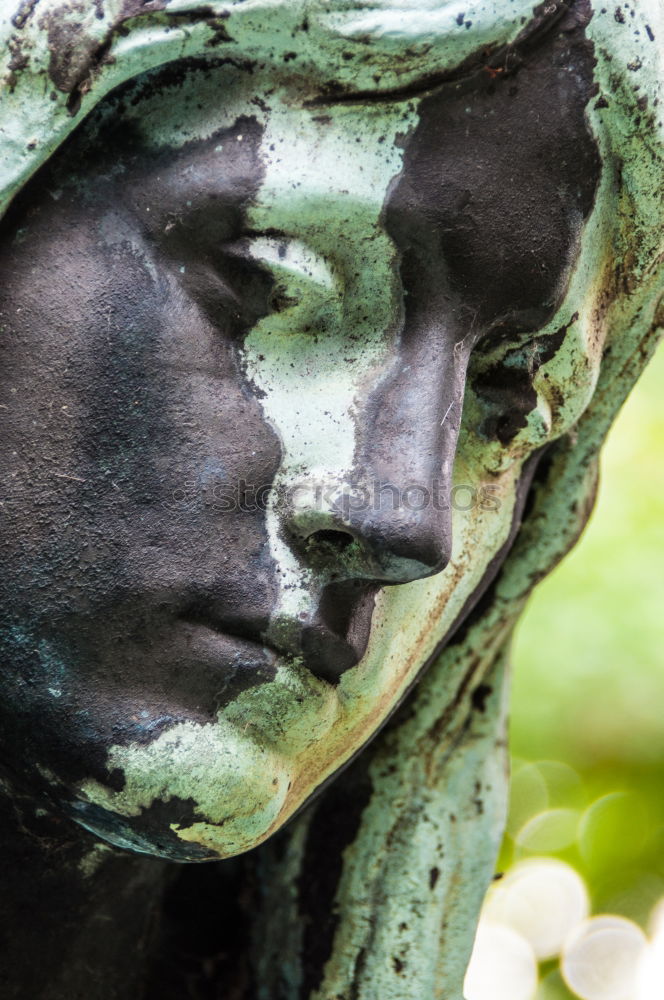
{"x":502,"y":967}
{"x":602,"y":957}
{"x":543,"y":900}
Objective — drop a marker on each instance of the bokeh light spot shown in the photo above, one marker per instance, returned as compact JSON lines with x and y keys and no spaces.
{"x":502,"y":966}
{"x":550,"y":831}
{"x":601,"y":958}
{"x":528,"y":796}
{"x":612,"y":829}
{"x":543,"y":900}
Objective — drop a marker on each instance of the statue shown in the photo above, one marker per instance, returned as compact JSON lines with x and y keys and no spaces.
{"x":314,"y":317}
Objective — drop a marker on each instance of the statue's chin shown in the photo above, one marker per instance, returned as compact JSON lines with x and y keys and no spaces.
{"x":171,"y":830}
{"x":128,"y":835}
{"x":199,"y":792}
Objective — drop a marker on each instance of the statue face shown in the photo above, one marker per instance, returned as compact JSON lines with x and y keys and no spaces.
{"x":244,"y":501}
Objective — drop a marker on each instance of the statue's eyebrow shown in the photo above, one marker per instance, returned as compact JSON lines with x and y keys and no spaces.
{"x":468,"y":71}
{"x":492,"y":60}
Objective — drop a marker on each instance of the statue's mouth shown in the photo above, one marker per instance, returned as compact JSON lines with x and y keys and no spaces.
{"x":237,"y":661}
{"x":328,"y":642}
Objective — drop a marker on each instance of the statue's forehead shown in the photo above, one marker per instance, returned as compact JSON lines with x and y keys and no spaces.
{"x":65,"y":56}
{"x":201,"y":102}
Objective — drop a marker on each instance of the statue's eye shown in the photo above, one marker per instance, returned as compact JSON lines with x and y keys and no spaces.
{"x":307,"y":291}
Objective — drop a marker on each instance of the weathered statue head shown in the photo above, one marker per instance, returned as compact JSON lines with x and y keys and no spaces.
{"x":299,"y":306}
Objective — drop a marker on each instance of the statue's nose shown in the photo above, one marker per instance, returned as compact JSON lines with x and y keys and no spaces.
{"x":372,"y":533}
{"x":388,"y":519}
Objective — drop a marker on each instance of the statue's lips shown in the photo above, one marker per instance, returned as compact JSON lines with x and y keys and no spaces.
{"x":238,"y":662}
{"x":328,"y":643}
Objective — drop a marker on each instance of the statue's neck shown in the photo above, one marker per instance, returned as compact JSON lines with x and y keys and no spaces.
{"x":76,"y":917}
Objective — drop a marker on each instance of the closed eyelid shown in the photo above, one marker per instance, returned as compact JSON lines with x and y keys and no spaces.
{"x":293,"y":261}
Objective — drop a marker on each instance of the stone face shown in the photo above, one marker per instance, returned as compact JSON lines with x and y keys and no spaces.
{"x":313,"y":319}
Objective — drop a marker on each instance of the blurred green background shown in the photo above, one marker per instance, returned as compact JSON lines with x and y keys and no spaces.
{"x":587,"y":730}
